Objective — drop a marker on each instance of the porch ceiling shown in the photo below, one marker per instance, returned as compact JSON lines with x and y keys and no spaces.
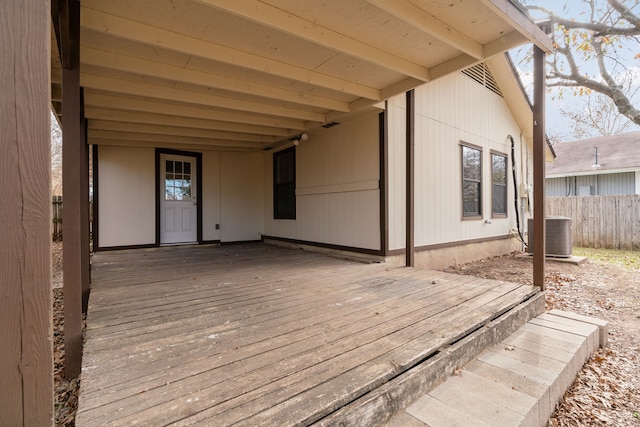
{"x":252,"y":74}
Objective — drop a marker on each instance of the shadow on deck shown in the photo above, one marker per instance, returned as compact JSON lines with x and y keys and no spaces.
{"x":260,"y":335}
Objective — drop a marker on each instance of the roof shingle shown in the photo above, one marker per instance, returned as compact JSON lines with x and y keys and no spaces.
{"x":614,"y":152}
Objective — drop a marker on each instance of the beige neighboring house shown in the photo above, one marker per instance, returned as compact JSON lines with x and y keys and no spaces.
{"x":577,"y":172}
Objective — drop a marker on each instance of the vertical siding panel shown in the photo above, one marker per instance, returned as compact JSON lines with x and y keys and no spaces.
{"x":326,"y":164}
{"x":210,"y":195}
{"x":446,"y":107}
{"x":127,"y":204}
{"x":241,"y":199}
{"x":396,"y":176}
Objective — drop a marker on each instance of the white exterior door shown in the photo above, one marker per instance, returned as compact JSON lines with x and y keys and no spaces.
{"x":178,"y":199}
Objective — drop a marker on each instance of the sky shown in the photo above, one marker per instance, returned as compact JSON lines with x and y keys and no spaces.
{"x":556,"y":124}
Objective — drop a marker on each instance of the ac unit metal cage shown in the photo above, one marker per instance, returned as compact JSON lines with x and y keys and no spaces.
{"x":558,"y":236}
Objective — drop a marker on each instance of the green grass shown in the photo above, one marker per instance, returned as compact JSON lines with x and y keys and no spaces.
{"x":626,"y":259}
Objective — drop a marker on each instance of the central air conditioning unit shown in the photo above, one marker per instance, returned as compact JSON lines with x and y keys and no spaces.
{"x":558,"y":236}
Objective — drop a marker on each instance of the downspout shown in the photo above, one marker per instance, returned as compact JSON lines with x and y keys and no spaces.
{"x":410,"y":167}
{"x":515,"y":186}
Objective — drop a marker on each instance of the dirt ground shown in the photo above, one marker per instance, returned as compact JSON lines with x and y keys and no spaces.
{"x":607,"y":390}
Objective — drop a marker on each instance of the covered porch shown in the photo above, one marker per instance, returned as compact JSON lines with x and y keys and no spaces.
{"x":234,"y":76}
{"x":262,"y":335}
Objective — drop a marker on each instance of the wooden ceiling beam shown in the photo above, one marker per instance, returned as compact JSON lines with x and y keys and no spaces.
{"x":281,"y":20}
{"x":56,"y":75}
{"x":114,"y":61}
{"x":429,"y":24}
{"x":177,"y":131}
{"x":131,"y":30}
{"x":93,"y":99}
{"x":126,"y":87}
{"x":173,"y":139}
{"x":212,"y":145}
{"x":124,"y":116}
{"x":504,"y":43}
{"x":453,"y":65}
{"x":519,"y":20}
{"x":463,"y":61}
{"x":56,"y":92}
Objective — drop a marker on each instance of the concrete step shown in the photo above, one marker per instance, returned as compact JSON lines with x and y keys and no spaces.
{"x":516,"y":382}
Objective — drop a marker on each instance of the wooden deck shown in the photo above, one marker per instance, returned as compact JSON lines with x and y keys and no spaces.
{"x":259,"y":335}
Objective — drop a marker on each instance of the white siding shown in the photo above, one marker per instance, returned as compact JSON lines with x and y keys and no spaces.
{"x":242,"y":197}
{"x":449,"y":111}
{"x":397,"y":161}
{"x":126,"y":199}
{"x":232,"y":196}
{"x":210,"y":195}
{"x":337,"y":187}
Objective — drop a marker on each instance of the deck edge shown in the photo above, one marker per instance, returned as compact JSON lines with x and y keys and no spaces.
{"x":377,"y":407}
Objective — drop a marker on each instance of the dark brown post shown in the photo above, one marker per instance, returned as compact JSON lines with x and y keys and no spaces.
{"x":383,"y":125}
{"x":26,"y":347}
{"x":72,"y":176}
{"x":410,"y":246}
{"x":539,"y":154}
{"x":84,"y":212}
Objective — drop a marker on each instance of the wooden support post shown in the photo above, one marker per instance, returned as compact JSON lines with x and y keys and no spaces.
{"x":410,"y":244}
{"x":383,"y":125}
{"x":85,"y":263}
{"x":26,"y":320}
{"x":539,"y":155}
{"x":72,"y":175}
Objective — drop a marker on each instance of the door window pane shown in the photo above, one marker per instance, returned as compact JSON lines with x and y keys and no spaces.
{"x":177,"y":181}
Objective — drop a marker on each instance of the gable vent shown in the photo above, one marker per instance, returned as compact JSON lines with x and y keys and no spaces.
{"x":482,"y":75}
{"x":330,"y":125}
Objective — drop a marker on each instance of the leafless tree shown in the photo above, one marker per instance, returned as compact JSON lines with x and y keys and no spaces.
{"x":598,"y":117}
{"x":56,"y":157}
{"x":604,"y":32}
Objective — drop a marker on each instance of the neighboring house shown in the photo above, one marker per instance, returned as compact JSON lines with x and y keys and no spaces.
{"x":578,"y":172}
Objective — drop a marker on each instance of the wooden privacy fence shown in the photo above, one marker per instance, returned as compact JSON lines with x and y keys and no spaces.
{"x":57,"y":217}
{"x":611,"y":222}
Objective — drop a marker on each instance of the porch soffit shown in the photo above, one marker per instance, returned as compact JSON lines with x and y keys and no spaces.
{"x":251,"y":74}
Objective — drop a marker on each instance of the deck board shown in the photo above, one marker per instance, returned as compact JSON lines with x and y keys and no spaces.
{"x":259,"y":335}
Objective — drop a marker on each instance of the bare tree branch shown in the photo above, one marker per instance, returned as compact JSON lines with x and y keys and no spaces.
{"x":598,"y":40}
